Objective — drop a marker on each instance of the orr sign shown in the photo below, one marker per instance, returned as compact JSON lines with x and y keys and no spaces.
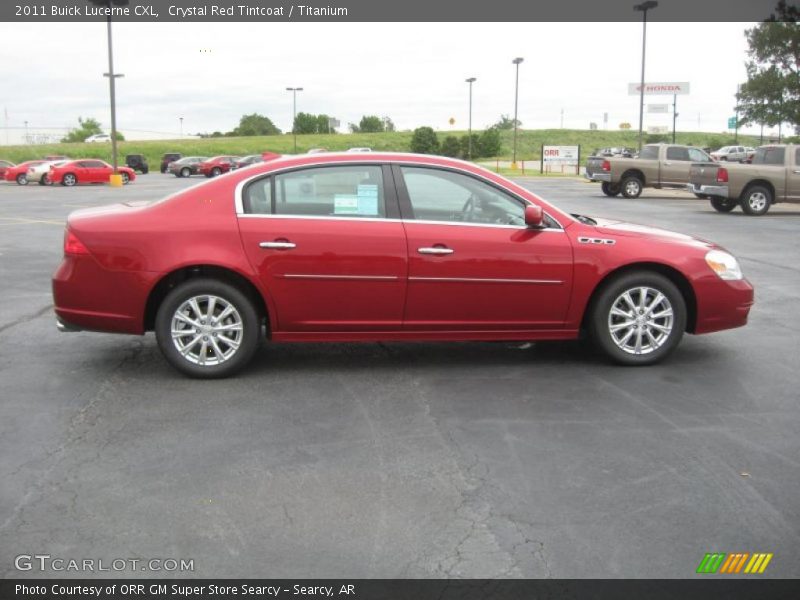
{"x":663,"y":88}
{"x":560,"y":157}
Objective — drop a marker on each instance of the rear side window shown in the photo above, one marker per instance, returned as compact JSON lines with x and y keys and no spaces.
{"x":649,"y":152}
{"x":797,"y":157}
{"x":341,"y":191}
{"x":769,"y":155}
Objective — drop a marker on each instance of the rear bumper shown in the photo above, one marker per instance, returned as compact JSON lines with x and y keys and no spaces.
{"x":720,"y":191}
{"x":602,"y":176}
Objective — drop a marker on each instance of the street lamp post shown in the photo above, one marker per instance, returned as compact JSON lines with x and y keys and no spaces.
{"x":516,"y":61}
{"x":294,"y":91}
{"x":27,"y":140}
{"x":643,"y":8}
{"x":470,"y":81}
{"x":181,"y":120}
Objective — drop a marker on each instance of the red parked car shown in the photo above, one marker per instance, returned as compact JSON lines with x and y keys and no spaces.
{"x":19,"y":172}
{"x":5,"y":165}
{"x":87,"y":171}
{"x":367,"y":247}
{"x":217,"y":165}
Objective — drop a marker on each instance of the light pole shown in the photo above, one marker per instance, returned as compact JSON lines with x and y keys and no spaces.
{"x":116,"y":180}
{"x":181,"y":120}
{"x":470,"y":81}
{"x":643,"y":8}
{"x":516,"y":61}
{"x":294,"y":91}
{"x":27,"y":140}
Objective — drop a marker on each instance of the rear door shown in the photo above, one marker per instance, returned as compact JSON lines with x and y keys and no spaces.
{"x":793,"y":176}
{"x":328,"y":246}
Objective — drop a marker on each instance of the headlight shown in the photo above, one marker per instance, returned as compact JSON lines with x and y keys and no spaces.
{"x":724,"y":265}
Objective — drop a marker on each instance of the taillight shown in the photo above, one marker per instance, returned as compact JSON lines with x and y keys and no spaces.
{"x":606,"y":166}
{"x":722,"y":175}
{"x":72,"y":245}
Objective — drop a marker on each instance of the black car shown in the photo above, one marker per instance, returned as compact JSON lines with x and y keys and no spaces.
{"x":168,"y":158}
{"x":137,"y":162}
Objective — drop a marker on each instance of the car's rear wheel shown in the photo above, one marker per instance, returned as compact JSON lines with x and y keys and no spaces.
{"x":22,"y":179}
{"x":125,"y":178}
{"x":186,"y":172}
{"x":756,"y":200}
{"x":69,"y":180}
{"x":207,"y":328}
{"x":44,"y":180}
{"x":723,"y":205}
{"x":610,"y":189}
{"x":631,"y":186}
{"x":638,"y":318}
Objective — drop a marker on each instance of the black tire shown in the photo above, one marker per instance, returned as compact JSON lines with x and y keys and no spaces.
{"x":723,"y":205}
{"x":702,"y":196}
{"x":125,"y":178}
{"x":186,"y":172}
{"x":69,"y":179}
{"x":631,"y":186}
{"x":216,"y":171}
{"x":609,"y":189}
{"x":22,"y":179}
{"x":756,"y":200}
{"x":247,"y":317}
{"x":44,"y":180}
{"x":163,"y":169}
{"x":145,"y":171}
{"x":600,"y":320}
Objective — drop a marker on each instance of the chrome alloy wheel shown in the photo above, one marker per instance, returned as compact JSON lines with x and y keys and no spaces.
{"x":757,"y":201}
{"x":207,"y":330}
{"x":633,"y":187}
{"x":640,"y":320}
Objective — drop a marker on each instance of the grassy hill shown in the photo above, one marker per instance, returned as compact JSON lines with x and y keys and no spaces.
{"x":529,"y":144}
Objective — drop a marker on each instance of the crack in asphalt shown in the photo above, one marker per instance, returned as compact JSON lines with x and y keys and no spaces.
{"x":26,"y":318}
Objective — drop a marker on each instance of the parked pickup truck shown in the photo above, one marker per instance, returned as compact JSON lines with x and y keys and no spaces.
{"x":773,"y":176}
{"x":657,"y":166}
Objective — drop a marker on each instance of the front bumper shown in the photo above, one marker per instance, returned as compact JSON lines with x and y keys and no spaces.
{"x":602,"y":176}
{"x":719,"y":191}
{"x":722,"y":304}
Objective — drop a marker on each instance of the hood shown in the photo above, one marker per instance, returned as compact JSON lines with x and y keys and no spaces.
{"x":623,"y":228}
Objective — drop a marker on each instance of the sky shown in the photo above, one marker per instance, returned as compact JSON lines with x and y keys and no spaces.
{"x":212,"y":74}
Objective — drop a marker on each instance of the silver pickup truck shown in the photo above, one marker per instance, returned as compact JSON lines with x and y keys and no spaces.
{"x":657,"y":166}
{"x":773,"y":176}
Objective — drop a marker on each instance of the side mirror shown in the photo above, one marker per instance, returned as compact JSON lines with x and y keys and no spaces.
{"x":534,"y":217}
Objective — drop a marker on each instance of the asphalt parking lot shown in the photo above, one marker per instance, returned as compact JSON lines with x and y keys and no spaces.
{"x":402,"y":460}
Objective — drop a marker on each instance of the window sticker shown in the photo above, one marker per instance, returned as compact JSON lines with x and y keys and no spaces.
{"x":345,"y":204}
{"x":367,"y":199}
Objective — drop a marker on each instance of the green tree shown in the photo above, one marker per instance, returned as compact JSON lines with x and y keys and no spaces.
{"x":507,"y":122}
{"x":489,"y":144}
{"x":424,"y":141}
{"x":771,"y":94}
{"x":451,"y":147}
{"x":86,"y":128}
{"x":255,"y":124}
{"x":308,"y":123}
{"x":388,"y":124}
{"x":464,"y":143}
{"x":370,"y":124}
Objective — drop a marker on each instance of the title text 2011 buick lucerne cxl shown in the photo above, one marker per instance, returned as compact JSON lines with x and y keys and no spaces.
{"x":356,"y":247}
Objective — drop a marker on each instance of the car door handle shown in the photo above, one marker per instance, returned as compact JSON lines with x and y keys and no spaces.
{"x":435,"y":250}
{"x":667,"y":164}
{"x":278,"y":245}
{"x":796,"y":171}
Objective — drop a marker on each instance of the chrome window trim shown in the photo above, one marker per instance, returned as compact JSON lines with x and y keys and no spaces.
{"x":239,"y":190}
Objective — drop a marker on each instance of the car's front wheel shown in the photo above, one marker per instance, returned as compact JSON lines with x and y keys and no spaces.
{"x":723,"y":205}
{"x":610,"y":189}
{"x":22,"y":179}
{"x":638,"y":318}
{"x":216,"y":171}
{"x":186,"y":172}
{"x":207,"y":328}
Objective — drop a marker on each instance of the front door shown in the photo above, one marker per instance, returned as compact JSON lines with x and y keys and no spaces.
{"x":472,"y":262}
{"x":326,"y":248}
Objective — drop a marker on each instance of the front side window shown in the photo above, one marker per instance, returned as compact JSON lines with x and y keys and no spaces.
{"x":696,"y":155}
{"x":342,"y":191}
{"x":438,"y":195}
{"x":677,"y":153}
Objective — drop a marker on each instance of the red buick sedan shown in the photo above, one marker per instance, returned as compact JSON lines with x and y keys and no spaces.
{"x":367,"y":247}
{"x":217,"y":165}
{"x":88,"y":170}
